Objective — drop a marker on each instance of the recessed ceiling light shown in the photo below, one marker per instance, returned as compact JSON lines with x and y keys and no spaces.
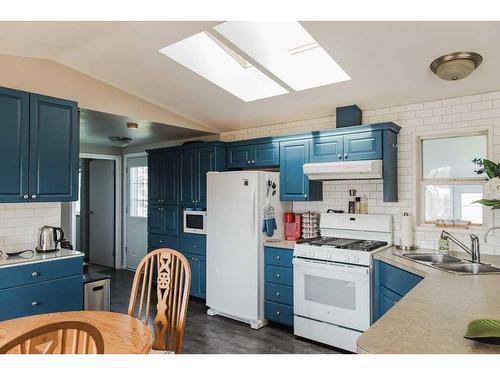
{"x":120,"y":141}
{"x":456,"y":65}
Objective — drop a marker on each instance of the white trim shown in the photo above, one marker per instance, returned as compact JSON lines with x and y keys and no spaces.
{"x":418,"y":202}
{"x":119,"y":249}
{"x":124,"y":201}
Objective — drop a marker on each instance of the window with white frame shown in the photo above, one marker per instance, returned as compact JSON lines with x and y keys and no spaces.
{"x":449,"y":185}
{"x":138,"y":191}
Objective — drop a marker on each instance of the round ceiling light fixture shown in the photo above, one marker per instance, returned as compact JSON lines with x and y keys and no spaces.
{"x":120,"y":141}
{"x":456,"y":65}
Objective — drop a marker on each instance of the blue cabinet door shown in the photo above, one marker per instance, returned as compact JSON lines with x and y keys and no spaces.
{"x":187,"y":176}
{"x":14,"y":145}
{"x":239,"y":156}
{"x":327,"y":148}
{"x":170,"y":180}
{"x":54,"y":149}
{"x":294,"y":184}
{"x":155,"y":179}
{"x":386,"y":300}
{"x":363,"y":146}
{"x":205,"y":163}
{"x":195,"y":279}
{"x":202,"y":269}
{"x":265,"y":154}
{"x":163,"y":220}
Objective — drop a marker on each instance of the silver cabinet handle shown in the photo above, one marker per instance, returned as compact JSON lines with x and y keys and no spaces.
{"x":34,"y":303}
{"x":195,"y":246}
{"x":305,"y":195}
{"x":33,"y":196}
{"x":161,"y":241}
{"x":277,"y":275}
{"x":278,"y":312}
{"x":34,"y":274}
{"x":249,"y":161}
{"x":339,"y":156}
{"x":278,"y":257}
{"x":25,"y":196}
{"x":253,"y":161}
{"x":345,"y":155}
{"x":278,"y":294}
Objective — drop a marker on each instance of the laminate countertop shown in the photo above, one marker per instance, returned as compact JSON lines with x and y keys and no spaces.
{"x":281,"y":244}
{"x":36,"y":257}
{"x":433,"y":316}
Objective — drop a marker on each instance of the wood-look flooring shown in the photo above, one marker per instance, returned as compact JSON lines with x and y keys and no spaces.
{"x":218,"y":335}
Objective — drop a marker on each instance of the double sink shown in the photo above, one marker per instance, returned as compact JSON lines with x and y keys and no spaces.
{"x":450,"y":263}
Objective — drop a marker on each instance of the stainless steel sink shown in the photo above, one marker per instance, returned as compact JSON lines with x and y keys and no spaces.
{"x":432,"y":258}
{"x":472,"y":268}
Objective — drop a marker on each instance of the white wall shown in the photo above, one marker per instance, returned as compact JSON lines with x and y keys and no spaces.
{"x":453,"y":114}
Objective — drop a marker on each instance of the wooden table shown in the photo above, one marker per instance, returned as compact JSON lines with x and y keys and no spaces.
{"x":122,"y":334}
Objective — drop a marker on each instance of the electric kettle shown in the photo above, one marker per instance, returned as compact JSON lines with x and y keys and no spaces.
{"x":49,"y":239}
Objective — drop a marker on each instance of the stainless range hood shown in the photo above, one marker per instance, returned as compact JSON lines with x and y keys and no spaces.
{"x":344,"y":170}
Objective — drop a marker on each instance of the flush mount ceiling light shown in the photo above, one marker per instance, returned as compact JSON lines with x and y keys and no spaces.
{"x":456,"y":65}
{"x":256,"y":60}
{"x":120,"y":141}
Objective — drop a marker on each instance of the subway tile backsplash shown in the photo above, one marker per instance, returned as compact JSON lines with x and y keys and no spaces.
{"x":19,"y":223}
{"x":445,"y":114}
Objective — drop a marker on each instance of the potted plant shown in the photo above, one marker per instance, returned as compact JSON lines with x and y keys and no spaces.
{"x":492,"y":188}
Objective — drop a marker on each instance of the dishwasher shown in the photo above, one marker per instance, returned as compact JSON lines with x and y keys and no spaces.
{"x":96,"y":292}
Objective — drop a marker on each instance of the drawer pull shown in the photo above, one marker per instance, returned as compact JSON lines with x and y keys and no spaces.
{"x":278,"y":257}
{"x":34,"y":274}
{"x":278,"y":275}
{"x":278,"y":294}
{"x":34,"y":304}
{"x":98,"y":288}
{"x":195,"y":246}
{"x":278,"y":313}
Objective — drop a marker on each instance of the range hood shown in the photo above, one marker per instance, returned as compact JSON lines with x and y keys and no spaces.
{"x":344,"y":170}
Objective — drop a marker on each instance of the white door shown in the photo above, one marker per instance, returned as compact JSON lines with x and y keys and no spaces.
{"x":102,"y":212}
{"x":332,"y":292}
{"x":136,"y":235}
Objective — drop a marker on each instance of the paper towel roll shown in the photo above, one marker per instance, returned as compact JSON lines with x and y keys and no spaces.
{"x":406,"y":230}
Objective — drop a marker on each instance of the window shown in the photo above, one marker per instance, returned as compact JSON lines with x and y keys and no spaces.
{"x":448,"y":182}
{"x":138,"y":191}
{"x":256,"y":60}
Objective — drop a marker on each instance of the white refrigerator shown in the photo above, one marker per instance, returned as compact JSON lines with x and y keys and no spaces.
{"x":235,"y":252}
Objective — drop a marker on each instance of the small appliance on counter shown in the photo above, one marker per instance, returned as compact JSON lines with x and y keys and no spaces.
{"x":293,"y":226}
{"x":49,"y":239}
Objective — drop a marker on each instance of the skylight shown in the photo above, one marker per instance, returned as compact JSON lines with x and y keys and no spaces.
{"x":287,"y":50}
{"x":210,"y":58}
{"x":256,"y":60}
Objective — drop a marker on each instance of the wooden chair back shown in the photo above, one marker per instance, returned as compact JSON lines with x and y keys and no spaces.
{"x":64,"y":337}
{"x":173,"y":280}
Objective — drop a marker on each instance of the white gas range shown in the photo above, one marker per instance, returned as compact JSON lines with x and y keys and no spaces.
{"x":333,"y":278}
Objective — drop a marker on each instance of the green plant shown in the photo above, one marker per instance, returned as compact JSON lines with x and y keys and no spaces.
{"x":492,"y":187}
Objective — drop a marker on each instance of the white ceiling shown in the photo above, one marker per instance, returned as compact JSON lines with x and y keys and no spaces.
{"x":387,"y":62}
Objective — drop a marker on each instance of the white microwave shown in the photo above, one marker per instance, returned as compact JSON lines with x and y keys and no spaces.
{"x":195,"y":222}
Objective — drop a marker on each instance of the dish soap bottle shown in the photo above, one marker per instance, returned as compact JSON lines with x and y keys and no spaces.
{"x":364,"y":205}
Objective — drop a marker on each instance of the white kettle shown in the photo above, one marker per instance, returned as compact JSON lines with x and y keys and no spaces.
{"x":49,"y":239}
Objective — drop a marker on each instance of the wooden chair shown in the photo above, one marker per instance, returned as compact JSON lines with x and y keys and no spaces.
{"x":173,"y":276}
{"x":65,"y":337}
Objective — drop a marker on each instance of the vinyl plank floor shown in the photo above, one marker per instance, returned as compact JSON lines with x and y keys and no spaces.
{"x":218,"y":335}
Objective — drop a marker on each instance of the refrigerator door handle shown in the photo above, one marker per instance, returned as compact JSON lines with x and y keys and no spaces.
{"x":254,"y":193}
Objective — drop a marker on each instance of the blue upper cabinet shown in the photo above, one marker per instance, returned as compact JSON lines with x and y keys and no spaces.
{"x":294,"y":185}
{"x":187,"y":177}
{"x":14,"y":145}
{"x":163,"y":220}
{"x":363,"y":146}
{"x":327,"y":148}
{"x":251,"y":154}
{"x":156,"y":174}
{"x":39,"y":146}
{"x":205,"y":163}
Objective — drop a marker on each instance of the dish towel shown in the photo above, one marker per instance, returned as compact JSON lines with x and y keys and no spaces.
{"x":269,"y":224}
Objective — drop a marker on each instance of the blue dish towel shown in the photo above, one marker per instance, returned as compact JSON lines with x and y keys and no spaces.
{"x":269,"y":223}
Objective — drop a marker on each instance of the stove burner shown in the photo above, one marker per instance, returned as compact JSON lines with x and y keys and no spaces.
{"x":344,"y":243}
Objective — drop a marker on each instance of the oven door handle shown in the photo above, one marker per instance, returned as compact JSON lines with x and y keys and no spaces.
{"x":331,"y":266}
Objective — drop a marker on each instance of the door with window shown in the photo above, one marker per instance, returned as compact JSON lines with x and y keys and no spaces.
{"x":136,"y":210}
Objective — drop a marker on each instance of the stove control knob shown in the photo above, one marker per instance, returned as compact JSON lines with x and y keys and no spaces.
{"x":347,"y":259}
{"x":328,"y":256}
{"x":356,"y":259}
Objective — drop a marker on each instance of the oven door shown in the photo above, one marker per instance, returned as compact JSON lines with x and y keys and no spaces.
{"x":332,"y":292}
{"x":195,"y":222}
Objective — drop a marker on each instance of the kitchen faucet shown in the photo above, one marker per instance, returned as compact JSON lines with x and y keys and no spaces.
{"x":474,"y":249}
{"x":488,"y":232}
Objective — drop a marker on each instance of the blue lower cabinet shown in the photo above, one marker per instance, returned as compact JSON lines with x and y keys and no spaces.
{"x":278,"y":285}
{"x":198,"y":266}
{"x":391,"y":284}
{"x":64,"y":294}
{"x":195,"y":244}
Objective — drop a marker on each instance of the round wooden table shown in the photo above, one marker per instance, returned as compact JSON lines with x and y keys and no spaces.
{"x":122,"y":334}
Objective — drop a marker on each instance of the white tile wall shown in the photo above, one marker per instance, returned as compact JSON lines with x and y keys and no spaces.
{"x":446,"y":114}
{"x":19,"y":223}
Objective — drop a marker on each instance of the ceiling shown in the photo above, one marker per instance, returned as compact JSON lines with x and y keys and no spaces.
{"x":388,"y":63}
{"x":97,"y":127}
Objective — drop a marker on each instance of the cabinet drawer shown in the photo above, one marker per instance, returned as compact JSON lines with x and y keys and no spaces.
{"x":158,"y":241}
{"x":395,"y":279}
{"x":38,"y":272}
{"x":279,"y":293}
{"x":279,"y":275}
{"x":194,"y":245}
{"x":51,"y":296}
{"x":278,"y":313}
{"x":278,"y":257}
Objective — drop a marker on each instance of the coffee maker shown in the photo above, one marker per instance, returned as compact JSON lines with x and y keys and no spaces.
{"x":292,"y":226}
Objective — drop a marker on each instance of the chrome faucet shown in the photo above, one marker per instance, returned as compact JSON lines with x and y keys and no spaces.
{"x":474,"y":249}
{"x":488,"y":232}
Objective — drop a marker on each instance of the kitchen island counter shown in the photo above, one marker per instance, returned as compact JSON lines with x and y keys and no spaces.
{"x":433,"y":317}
